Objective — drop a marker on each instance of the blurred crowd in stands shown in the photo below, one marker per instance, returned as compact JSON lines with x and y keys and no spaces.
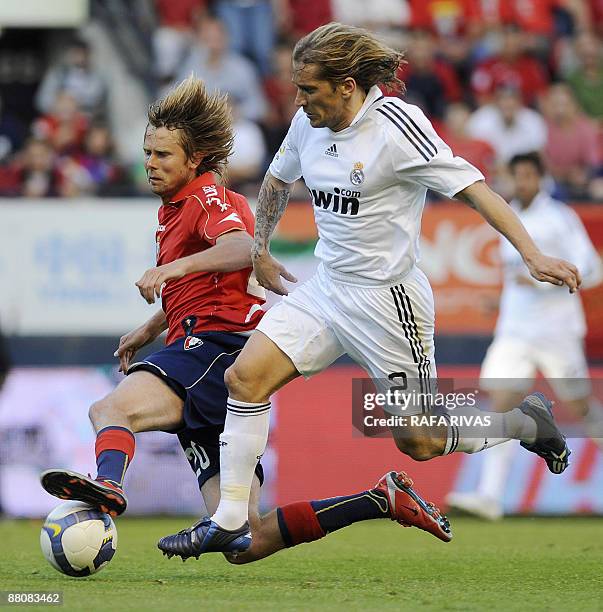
{"x":496,"y":77}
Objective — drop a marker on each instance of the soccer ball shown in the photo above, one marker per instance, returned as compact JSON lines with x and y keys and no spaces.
{"x":78,"y":540}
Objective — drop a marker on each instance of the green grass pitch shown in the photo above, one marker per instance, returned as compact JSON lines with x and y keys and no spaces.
{"x":519,"y":564}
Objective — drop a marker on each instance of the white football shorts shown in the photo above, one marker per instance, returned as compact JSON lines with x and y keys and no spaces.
{"x":512,"y":363}
{"x":388,"y":330}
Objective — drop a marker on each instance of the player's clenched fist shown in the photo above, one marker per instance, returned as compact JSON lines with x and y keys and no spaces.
{"x":268,"y":272}
{"x":151,"y":283}
{"x":555,"y":271}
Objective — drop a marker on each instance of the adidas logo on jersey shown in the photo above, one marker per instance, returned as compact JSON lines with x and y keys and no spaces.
{"x":332,"y":151}
{"x":191,"y":342}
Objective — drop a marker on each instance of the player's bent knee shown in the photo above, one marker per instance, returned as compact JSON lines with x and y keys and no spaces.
{"x":106,"y":412}
{"x":240,"y":386}
{"x":97,"y":411}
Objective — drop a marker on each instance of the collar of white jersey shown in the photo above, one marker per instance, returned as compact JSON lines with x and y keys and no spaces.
{"x":541,"y":199}
{"x":374,"y":94}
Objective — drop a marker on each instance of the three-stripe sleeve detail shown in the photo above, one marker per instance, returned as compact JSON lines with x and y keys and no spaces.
{"x":411,"y":130}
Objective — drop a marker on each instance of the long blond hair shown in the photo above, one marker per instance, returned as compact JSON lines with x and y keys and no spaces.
{"x":204,"y":121}
{"x":341,"y":51}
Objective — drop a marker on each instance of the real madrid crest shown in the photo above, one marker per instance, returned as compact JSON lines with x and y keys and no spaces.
{"x":357,"y":175}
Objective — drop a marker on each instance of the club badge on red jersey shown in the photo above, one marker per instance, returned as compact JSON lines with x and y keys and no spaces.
{"x":191,"y":342}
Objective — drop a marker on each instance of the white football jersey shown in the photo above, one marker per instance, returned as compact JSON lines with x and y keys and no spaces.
{"x":368,"y":184}
{"x":535,"y":310}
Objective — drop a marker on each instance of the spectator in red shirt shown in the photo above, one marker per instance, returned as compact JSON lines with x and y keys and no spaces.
{"x":572,"y":148}
{"x":307,"y":15}
{"x":512,"y":67}
{"x":533,"y":16}
{"x":595,"y":8}
{"x":536,"y":18}
{"x":174,"y":34}
{"x":476,"y":151}
{"x":64,"y":127}
{"x":455,"y":22}
{"x":431,"y":82}
{"x":452,"y":18}
{"x":35,"y":171}
{"x":99,"y":161}
{"x":181,"y":14}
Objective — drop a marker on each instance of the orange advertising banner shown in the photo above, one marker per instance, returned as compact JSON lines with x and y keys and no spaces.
{"x":459,"y":254}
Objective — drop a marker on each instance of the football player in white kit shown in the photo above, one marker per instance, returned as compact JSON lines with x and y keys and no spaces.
{"x":368,"y":161}
{"x":540,"y":328}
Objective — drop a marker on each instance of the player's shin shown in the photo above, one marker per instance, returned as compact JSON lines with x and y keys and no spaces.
{"x":114,"y":452}
{"x":241,"y":446}
{"x":392,"y":497}
{"x":308,"y":521}
{"x":298,"y":523}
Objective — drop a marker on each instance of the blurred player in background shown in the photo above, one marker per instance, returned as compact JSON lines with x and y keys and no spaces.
{"x":368,"y":161}
{"x":210,"y":304}
{"x":540,"y":328}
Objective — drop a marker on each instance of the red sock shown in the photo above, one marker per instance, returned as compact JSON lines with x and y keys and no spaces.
{"x":114,"y":451}
{"x":298,"y":523}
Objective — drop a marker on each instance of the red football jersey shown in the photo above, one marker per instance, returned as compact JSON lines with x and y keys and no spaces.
{"x":526,"y":74}
{"x":206,"y":301}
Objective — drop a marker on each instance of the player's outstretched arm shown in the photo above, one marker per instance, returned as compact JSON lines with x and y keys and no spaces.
{"x":232,"y":251}
{"x":272,"y":201}
{"x":131,"y":342}
{"x":502,"y":218}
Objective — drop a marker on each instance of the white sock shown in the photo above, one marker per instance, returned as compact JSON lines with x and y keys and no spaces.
{"x":503,"y":426}
{"x":241,"y":446}
{"x":495,"y":470}
{"x":515,"y":425}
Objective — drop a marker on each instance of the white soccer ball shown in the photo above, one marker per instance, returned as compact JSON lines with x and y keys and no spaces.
{"x":78,"y":540}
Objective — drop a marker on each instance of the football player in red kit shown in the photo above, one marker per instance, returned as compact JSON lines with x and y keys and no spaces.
{"x":210,"y":304}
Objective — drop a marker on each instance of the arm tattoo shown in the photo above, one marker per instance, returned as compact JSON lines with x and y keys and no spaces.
{"x":271,"y":206}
